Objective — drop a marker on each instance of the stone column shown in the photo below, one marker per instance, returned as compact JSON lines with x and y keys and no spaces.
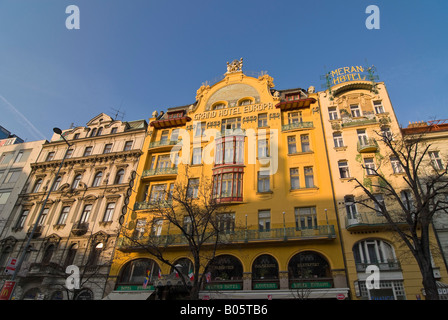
{"x":247,"y":281}
{"x":284,"y":283}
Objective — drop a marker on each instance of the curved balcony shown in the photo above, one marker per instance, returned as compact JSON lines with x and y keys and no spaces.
{"x":297,"y":125}
{"x":159,"y":173}
{"x":162,"y":145}
{"x":369,"y":145}
{"x":80,"y":228}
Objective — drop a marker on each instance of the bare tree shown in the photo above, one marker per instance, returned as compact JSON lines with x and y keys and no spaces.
{"x":413,"y":207}
{"x":193,"y":218}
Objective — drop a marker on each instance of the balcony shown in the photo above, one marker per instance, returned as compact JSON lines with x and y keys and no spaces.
{"x":37,"y":233}
{"x":366,"y":221}
{"x":353,"y":122}
{"x":162,"y":144}
{"x":324,"y":232}
{"x":145,"y":205}
{"x":231,"y":132}
{"x":297,"y":125}
{"x":390,"y":265}
{"x":159,"y":172}
{"x":80,"y":228}
{"x":369,"y":145}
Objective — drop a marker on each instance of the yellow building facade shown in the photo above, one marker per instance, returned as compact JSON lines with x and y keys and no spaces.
{"x":281,"y":163}
{"x":286,"y":239}
{"x":355,"y":114}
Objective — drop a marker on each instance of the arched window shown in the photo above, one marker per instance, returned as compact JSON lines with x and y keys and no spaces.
{"x":376,"y":252}
{"x":226,"y":269}
{"x":185,"y":266}
{"x":76,"y":181}
{"x":245,"y":102}
{"x":57,"y":183}
{"x":136,"y":271}
{"x":95,"y":254}
{"x":119,"y":177}
{"x":93,"y":132}
{"x":71,"y":254}
{"x":97,"y":179}
{"x":309,"y":269}
{"x":265,"y":273}
{"x":100,"y":130}
{"x":37,"y":185}
{"x":48,"y":254}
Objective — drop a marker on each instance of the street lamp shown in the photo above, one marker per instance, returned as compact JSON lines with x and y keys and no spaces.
{"x":30,"y":236}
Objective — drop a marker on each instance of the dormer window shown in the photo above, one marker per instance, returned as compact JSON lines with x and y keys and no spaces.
{"x":245,"y":102}
{"x":292,"y":96}
{"x":176,"y":115}
{"x":218,"y":106}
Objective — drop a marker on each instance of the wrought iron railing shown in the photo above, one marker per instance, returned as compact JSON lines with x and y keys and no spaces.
{"x":297,"y":125}
{"x":159,"y":171}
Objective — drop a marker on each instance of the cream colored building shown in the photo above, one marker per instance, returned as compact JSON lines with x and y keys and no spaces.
{"x":79,"y":222}
{"x":355,"y":114}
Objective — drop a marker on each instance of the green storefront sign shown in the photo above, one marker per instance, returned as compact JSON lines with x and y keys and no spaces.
{"x":263,"y":286}
{"x":134,"y":288}
{"x":223,"y":286}
{"x":311,"y":285}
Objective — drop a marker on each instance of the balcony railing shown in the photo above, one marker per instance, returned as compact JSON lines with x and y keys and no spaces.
{"x":391,"y":265}
{"x":240,"y":236}
{"x":145,"y":205}
{"x":80,"y":228}
{"x":297,"y":125}
{"x":349,"y":122}
{"x":162,"y":143}
{"x":369,"y":145}
{"x":159,"y":171}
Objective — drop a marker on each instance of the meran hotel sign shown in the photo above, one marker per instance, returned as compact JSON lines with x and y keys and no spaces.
{"x":234,"y":111}
{"x":344,"y":74}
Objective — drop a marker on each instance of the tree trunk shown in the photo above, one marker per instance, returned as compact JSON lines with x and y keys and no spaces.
{"x":428,"y":282}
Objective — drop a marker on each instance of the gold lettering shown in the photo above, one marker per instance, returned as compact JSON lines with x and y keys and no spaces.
{"x":359,"y":69}
{"x":346,"y":69}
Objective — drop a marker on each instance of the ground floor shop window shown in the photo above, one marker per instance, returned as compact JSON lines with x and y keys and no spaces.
{"x":225,"y":273}
{"x":389,"y":290}
{"x":309,"y":270}
{"x":265,"y":273}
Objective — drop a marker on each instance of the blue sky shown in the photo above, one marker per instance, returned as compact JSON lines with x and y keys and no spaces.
{"x":139,"y":55}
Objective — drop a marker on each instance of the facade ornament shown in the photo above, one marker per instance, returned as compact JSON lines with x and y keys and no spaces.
{"x":235,"y":66}
{"x":311,"y":89}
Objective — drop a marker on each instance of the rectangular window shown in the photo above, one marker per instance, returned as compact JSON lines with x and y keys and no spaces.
{"x":337,"y":139}
{"x":164,"y":137}
{"x":396,"y":165}
{"x":343,"y":169}
{"x":87,"y":151}
{"x":380,"y":199}
{"x":127,"y":146}
{"x":386,"y":133}
{"x":231,"y":123}
{"x":263,"y":182}
{"x":113,"y":130}
{"x":264,"y":220}
{"x":18,"y":157}
{"x":63,"y":216}
{"x":164,"y":162}
{"x":309,"y":177}
{"x":156,"y":229}
{"x":294,"y":176}
{"x":333,"y":113}
{"x":369,"y":164}
{"x":108,"y":214}
{"x":6,"y":157}
{"x":200,"y":129}
{"x":378,"y":106}
{"x":153,"y":163}
{"x":139,"y":230}
{"x":362,"y":137}
{"x":197,"y":156}
{"x":305,"y":142}
{"x":108,"y":148}
{"x":355,"y":111}
{"x":193,"y":187}
{"x":262,"y":120}
{"x":350,"y":207}
{"x":43,"y":217}
{"x":305,"y":218}
{"x":294,"y":117}
{"x":69,"y":153}
{"x":188,"y":226}
{"x":226,"y":222}
{"x":3,"y":198}
{"x":436,"y":161}
{"x":263,"y":148}
{"x":174,"y":135}
{"x":12,"y":176}
{"x":292,"y":147}
{"x":50,"y":156}
{"x":157,"y":193}
{"x":86,"y":214}
{"x":22,"y":218}
{"x":406,"y":198}
{"x":226,"y":185}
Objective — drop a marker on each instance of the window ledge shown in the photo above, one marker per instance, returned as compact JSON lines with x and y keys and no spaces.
{"x":265,"y":192}
{"x":343,"y":148}
{"x":300,"y":153}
